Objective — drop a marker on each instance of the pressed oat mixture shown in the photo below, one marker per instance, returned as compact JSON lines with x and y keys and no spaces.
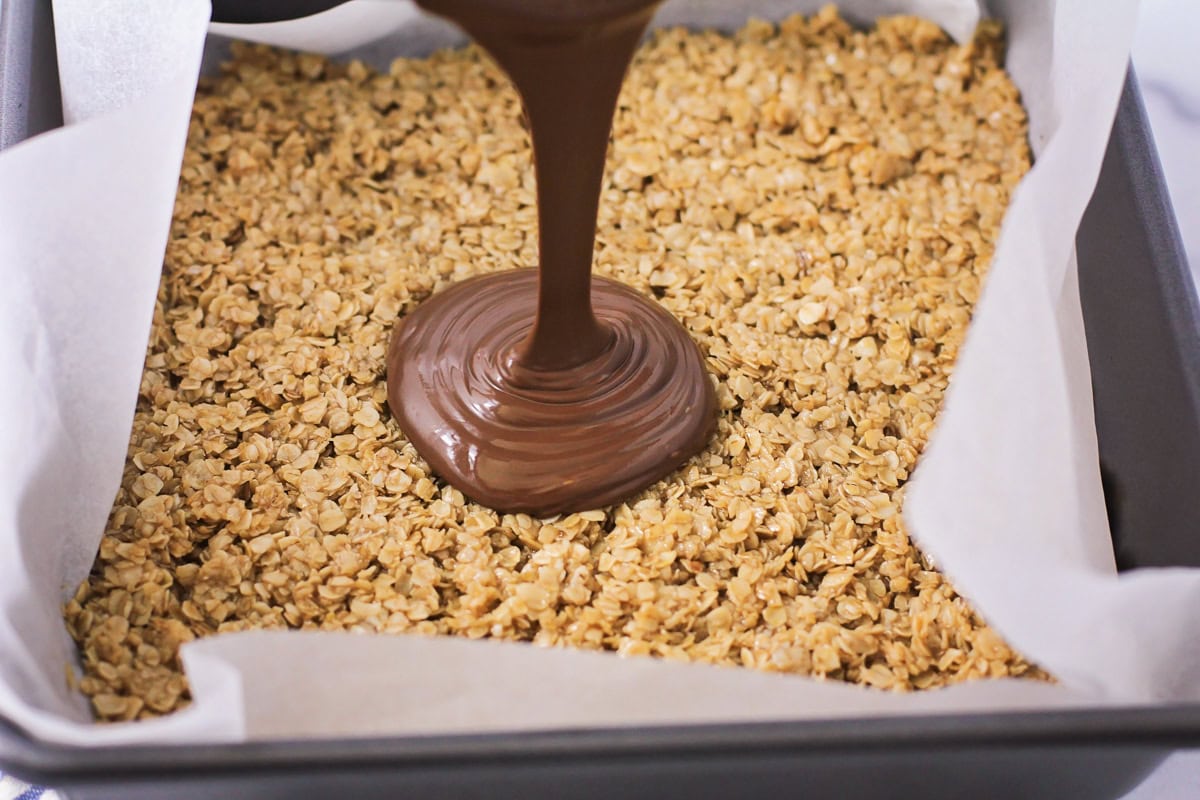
{"x":817,"y":205}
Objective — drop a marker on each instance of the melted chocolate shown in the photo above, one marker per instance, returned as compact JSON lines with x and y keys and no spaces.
{"x":551,"y":391}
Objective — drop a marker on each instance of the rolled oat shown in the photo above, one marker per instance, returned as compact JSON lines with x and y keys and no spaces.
{"x":818,"y":205}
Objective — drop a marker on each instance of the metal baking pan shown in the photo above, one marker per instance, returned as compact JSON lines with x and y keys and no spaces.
{"x":1143,"y":329}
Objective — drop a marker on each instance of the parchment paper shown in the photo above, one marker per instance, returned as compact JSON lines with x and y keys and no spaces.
{"x":1007,"y":500}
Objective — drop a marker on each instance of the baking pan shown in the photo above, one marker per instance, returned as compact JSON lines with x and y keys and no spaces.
{"x":1143,"y":329}
{"x":1142,"y":319}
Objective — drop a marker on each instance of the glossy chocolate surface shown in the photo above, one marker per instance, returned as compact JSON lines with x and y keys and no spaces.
{"x":551,"y":391}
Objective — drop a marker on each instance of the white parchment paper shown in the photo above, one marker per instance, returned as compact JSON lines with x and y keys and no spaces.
{"x":1007,"y":500}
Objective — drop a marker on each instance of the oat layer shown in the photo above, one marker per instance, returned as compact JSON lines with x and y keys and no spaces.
{"x":817,"y":205}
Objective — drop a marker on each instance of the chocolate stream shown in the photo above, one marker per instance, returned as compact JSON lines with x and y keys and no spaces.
{"x":552,"y":391}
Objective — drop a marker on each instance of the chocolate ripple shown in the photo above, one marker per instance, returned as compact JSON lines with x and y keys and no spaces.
{"x":546,"y":442}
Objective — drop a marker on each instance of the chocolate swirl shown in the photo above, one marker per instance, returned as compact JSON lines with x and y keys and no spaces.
{"x":518,"y":439}
{"x":550,"y":391}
